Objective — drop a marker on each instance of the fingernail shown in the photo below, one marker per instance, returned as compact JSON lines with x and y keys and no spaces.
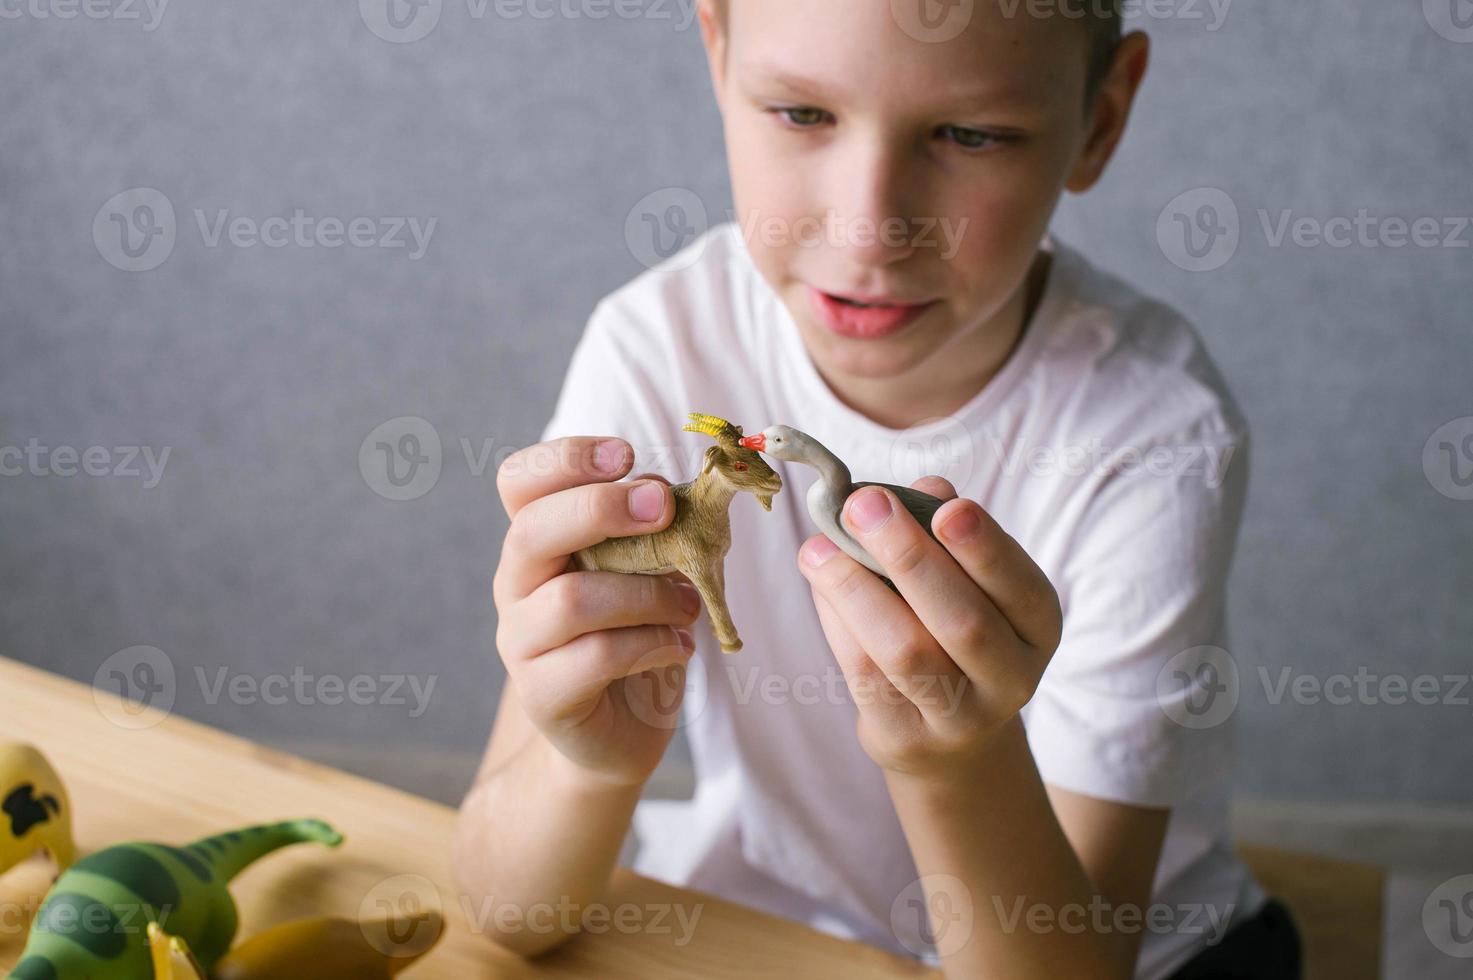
{"x":819,"y":551}
{"x":961,"y":527}
{"x":686,"y":637}
{"x":869,"y":510}
{"x":609,"y":456}
{"x":647,"y":501}
{"x":690,"y":599}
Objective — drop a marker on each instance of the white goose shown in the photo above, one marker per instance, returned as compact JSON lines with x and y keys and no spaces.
{"x":826,"y":497}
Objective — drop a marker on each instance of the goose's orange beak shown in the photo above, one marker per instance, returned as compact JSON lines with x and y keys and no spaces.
{"x":757,"y":442}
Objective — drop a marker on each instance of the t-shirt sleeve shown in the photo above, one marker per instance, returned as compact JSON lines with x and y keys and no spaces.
{"x":1144,"y":597}
{"x":620,"y":382}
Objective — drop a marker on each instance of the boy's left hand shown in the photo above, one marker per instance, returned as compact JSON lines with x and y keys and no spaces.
{"x":939,"y":670}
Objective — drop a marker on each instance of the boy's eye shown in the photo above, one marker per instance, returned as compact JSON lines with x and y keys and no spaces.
{"x":971,"y":139}
{"x":803,"y":117}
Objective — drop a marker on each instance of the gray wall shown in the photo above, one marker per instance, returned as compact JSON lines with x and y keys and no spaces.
{"x":264,"y":549}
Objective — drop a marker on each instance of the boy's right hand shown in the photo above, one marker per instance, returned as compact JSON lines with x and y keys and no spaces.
{"x":597,"y":659}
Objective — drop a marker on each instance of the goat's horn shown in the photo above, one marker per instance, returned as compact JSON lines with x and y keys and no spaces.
{"x":717,"y":428}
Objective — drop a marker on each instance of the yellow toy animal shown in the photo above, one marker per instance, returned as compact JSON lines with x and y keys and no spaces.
{"x":34,"y":809}
{"x":322,"y":948}
{"x":172,"y":959}
{"x":330,"y":948}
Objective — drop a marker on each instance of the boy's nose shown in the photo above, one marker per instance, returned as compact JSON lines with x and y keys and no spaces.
{"x":874,"y":226}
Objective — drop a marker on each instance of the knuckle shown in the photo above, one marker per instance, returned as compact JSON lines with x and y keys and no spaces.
{"x":848,"y":583}
{"x":1013,"y":690}
{"x":571,"y":598}
{"x":971,"y":630}
{"x":600,"y":507}
{"x":649,"y":594}
{"x":909,"y":660}
{"x":909,"y":555}
{"x":508,"y":472}
{"x":521,"y":532}
{"x":603,"y":650}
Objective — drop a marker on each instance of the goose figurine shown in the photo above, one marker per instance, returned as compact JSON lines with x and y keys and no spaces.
{"x":826,"y":497}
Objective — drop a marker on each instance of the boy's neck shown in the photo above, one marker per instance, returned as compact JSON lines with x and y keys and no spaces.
{"x":954,"y":374}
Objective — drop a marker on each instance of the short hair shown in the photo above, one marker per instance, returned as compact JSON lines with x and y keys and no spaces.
{"x":1102,"y":20}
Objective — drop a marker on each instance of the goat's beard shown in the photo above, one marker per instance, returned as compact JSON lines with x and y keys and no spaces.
{"x":765,"y":499}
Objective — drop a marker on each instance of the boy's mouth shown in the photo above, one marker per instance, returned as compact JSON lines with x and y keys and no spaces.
{"x":864,"y":317}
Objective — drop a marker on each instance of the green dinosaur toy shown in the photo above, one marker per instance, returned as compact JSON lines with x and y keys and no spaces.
{"x":93,"y":924}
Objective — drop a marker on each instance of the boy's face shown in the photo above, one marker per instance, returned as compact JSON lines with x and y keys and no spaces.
{"x":918,"y":175}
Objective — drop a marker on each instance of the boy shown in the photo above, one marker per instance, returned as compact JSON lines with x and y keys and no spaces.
{"x":955,"y":794}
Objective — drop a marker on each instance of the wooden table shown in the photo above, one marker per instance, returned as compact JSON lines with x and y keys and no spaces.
{"x":179,"y":780}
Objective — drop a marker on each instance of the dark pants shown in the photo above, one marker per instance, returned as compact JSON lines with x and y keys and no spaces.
{"x":1265,"y":947}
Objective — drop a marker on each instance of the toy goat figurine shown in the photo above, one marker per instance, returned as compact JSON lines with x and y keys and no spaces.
{"x":34,"y":809}
{"x":698,"y":538}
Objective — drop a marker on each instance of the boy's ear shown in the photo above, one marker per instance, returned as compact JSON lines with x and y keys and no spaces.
{"x":713,"y":33}
{"x":1111,"y":110}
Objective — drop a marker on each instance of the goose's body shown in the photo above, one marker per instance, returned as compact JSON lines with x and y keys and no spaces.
{"x":834,"y":486}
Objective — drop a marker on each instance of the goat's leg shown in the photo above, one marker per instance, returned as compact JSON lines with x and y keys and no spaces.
{"x":709,"y":578}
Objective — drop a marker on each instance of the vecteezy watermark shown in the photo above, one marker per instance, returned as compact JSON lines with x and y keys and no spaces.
{"x":1212,"y":13}
{"x":401,"y":916}
{"x":941,"y":693}
{"x":146,"y":13}
{"x":401,"y":459}
{"x":836,"y":230}
{"x":1100,"y":916}
{"x":36,"y":459}
{"x":933,"y":21}
{"x":136,"y":230}
{"x":137,"y":687}
{"x":1447,"y":459}
{"x":85,"y":922}
{"x":565,"y":917}
{"x":933,"y":915}
{"x":1202,"y":687}
{"x":1200,"y":230}
{"x":406,"y":21}
{"x":1366,"y":687}
{"x":1447,"y":917}
{"x":404,"y":457}
{"x":939,"y":446}
{"x":662,"y":225}
{"x":1188,"y":461}
{"x":1452,"y":19}
{"x":936,"y":21}
{"x":1199,"y":688}
{"x":666,"y":228}
{"x":301,"y":688}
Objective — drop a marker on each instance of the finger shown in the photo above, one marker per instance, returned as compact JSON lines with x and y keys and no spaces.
{"x":936,"y":486}
{"x":887,"y":629}
{"x":558,"y":464}
{"x":954,"y":609}
{"x":653,"y":476}
{"x":1012,"y":580}
{"x":583,"y":602}
{"x":549,"y":529}
{"x":564,"y":683}
{"x":867,"y":683}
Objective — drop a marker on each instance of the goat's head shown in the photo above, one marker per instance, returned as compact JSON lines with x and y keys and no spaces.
{"x":742,"y":468}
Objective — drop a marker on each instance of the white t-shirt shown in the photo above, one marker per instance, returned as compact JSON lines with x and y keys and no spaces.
{"x":789,"y":814}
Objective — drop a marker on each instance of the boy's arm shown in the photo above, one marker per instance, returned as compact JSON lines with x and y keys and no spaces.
{"x":1008,"y":862}
{"x":1020,"y":880}
{"x":1119,"y":846}
{"x":536,"y":839}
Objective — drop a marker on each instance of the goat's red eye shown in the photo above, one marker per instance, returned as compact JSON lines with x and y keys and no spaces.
{"x":740,"y":466}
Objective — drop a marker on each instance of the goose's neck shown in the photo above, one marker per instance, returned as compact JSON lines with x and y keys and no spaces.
{"x":829,"y":466}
